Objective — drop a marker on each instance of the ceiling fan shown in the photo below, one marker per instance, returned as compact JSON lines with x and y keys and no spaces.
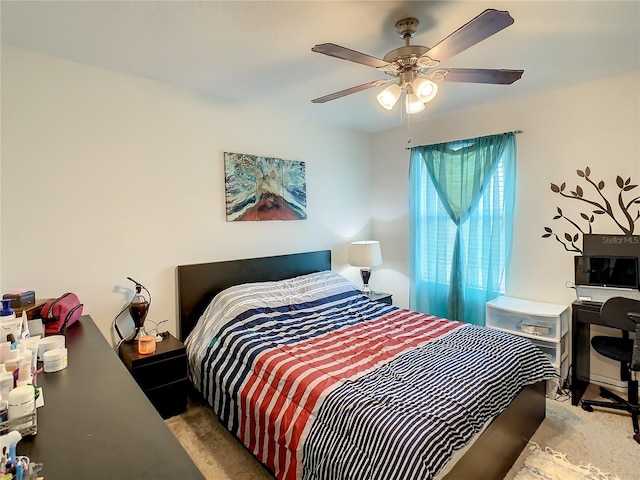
{"x":416,"y":68}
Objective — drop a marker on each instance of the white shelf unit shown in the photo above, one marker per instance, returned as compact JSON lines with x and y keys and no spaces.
{"x":545,"y":324}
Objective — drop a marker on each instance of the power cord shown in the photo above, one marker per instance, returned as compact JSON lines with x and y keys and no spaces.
{"x":563,"y":390}
{"x":154,"y":331}
{"x":115,"y":324}
{"x":566,"y":384}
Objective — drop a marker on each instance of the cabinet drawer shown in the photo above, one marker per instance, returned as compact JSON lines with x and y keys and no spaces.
{"x":170,"y":399}
{"x":158,"y":373}
{"x":528,"y":318}
{"x":526,"y":323}
{"x":553,"y":350}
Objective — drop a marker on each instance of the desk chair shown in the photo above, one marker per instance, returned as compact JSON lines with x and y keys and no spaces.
{"x":624,"y":314}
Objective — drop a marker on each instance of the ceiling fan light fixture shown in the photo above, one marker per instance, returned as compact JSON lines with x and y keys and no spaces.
{"x":425,"y":89}
{"x":388,"y":97}
{"x":412,"y":103}
{"x":415,"y":67}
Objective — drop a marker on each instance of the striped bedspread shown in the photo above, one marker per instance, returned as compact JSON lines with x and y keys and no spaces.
{"x":321,"y":383}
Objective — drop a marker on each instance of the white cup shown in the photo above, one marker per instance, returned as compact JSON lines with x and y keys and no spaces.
{"x":54,"y":360}
{"x":49,"y":343}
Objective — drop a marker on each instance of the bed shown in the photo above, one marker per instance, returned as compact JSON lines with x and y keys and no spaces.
{"x":365,"y":410}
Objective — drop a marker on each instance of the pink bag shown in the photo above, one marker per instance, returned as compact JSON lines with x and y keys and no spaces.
{"x":60,"y":313}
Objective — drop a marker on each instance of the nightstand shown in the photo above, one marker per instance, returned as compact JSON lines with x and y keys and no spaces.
{"x":162,"y":376}
{"x":380,"y":297}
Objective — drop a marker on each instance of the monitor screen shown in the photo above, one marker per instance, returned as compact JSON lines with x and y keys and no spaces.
{"x":607,"y":271}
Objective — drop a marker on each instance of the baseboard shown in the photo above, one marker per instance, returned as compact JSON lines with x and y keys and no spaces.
{"x":602,"y":381}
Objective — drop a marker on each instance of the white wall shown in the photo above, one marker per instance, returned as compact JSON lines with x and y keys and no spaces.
{"x":106,"y":176}
{"x":594,"y":124}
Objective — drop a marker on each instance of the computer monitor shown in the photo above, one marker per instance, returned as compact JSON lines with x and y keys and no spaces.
{"x":607,"y":271}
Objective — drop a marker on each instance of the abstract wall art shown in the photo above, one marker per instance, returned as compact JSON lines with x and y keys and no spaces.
{"x":264,"y":188}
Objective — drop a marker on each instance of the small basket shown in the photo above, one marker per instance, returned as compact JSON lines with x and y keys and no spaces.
{"x":27,"y":425}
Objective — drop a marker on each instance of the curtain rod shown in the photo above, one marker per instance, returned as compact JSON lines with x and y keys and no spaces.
{"x":516,"y":132}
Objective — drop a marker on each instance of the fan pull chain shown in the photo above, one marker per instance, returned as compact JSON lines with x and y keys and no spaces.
{"x":404,"y":93}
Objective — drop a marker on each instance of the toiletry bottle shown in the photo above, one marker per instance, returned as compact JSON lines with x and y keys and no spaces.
{"x":24,"y":367}
{"x":13,"y":437}
{"x":9,"y":324}
{"x":7,"y":312}
{"x":4,"y":414}
{"x":7,"y":319}
{"x":4,"y":347}
{"x":31,"y":344}
{"x":12,"y":363}
{"x":25,"y":325}
{"x":6,"y":382}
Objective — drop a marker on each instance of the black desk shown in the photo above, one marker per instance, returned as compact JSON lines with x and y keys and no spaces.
{"x":582,"y":317}
{"x":96,"y":422}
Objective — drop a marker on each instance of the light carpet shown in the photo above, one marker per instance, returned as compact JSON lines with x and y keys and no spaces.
{"x":603,"y":439}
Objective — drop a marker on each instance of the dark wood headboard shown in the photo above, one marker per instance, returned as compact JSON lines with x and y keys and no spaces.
{"x":197,"y":284}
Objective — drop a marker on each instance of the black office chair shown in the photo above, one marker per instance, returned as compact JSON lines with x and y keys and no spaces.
{"x":624,"y":314}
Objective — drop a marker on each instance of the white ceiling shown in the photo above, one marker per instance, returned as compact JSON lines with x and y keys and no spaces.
{"x":260,"y":51}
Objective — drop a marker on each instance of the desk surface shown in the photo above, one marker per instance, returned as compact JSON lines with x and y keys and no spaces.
{"x":96,"y":422}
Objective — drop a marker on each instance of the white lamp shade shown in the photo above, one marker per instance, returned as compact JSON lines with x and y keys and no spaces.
{"x":413,"y":103}
{"x":365,"y":254}
{"x":425,"y":89}
{"x":388,"y":97}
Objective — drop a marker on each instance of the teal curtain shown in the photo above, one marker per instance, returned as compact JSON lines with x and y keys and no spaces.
{"x":461,"y":197}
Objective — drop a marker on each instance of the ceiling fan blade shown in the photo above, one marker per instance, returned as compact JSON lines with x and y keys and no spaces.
{"x":481,"y":75}
{"x":349,"y":91}
{"x":481,"y":27}
{"x":344,"y":53}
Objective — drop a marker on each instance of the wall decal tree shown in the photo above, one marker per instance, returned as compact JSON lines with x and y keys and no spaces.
{"x":622,"y":216}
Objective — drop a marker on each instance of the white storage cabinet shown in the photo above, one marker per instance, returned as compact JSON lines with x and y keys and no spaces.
{"x":545,"y":324}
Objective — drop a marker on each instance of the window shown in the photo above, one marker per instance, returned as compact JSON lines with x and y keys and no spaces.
{"x":445,"y":234}
{"x":460,"y":224}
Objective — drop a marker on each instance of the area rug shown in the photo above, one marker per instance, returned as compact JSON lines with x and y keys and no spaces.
{"x":548,"y":464}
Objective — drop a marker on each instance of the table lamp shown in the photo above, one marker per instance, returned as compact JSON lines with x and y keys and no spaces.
{"x":138,"y":309}
{"x":365,"y":254}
